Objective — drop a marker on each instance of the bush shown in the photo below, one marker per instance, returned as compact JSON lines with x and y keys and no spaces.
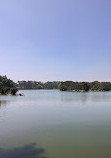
{"x":13,"y":91}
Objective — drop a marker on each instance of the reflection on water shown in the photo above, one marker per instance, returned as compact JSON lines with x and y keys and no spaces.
{"x":85,"y":96}
{"x":3,"y":102}
{"x":27,"y":151}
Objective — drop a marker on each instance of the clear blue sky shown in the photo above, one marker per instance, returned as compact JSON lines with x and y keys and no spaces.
{"x":55,"y":40}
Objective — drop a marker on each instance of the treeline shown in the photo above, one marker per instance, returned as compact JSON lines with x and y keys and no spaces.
{"x":84,"y":86}
{"x":37,"y":85}
{"x":7,"y":86}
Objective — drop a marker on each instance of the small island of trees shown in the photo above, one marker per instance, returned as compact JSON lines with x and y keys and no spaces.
{"x":84,"y":86}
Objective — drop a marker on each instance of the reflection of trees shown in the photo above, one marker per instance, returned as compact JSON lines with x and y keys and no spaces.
{"x":3,"y":102}
{"x":74,"y":97}
{"x":27,"y":151}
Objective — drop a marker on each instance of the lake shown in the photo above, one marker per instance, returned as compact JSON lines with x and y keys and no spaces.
{"x":54,"y":124}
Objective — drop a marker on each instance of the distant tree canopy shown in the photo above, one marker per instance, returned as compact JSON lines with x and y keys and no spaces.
{"x":37,"y":85}
{"x":66,"y":86}
{"x":7,"y":86}
{"x":84,"y":86}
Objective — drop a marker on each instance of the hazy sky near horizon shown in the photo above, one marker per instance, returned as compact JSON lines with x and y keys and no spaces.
{"x":55,"y":40}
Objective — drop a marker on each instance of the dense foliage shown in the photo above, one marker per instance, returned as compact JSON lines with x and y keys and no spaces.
{"x":85,"y":86}
{"x":7,"y":86}
{"x":37,"y":85}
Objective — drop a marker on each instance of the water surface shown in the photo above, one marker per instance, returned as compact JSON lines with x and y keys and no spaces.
{"x":55,"y":124}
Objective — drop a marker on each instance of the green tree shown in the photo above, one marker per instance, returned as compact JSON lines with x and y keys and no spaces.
{"x":62,"y":86}
{"x":6,"y":85}
{"x":86,"y":86}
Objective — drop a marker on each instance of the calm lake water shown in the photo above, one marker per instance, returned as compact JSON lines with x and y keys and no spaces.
{"x":55,"y":124}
